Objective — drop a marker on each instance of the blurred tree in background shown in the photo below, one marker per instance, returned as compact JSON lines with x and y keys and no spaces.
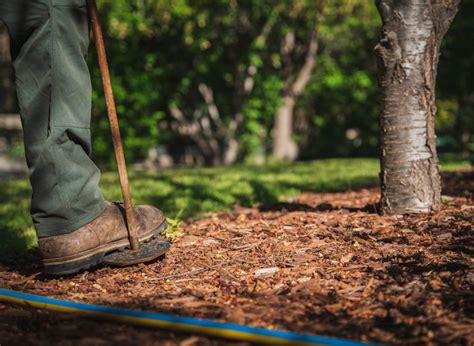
{"x":339,"y":113}
{"x":208,"y":76}
{"x":215,"y":82}
{"x":455,"y":119}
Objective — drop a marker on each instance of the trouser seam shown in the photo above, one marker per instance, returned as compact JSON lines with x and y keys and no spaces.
{"x":54,"y":152}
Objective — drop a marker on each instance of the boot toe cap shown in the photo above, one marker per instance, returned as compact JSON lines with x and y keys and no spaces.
{"x":151,"y":218}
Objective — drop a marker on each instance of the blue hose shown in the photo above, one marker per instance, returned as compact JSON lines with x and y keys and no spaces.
{"x":171,"y":322}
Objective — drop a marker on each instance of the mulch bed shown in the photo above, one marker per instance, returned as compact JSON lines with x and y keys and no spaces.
{"x":325,"y":264}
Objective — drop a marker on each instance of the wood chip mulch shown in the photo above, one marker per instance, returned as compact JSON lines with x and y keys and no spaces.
{"x":323,"y":264}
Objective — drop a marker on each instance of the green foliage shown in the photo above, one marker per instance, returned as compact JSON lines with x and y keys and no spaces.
{"x":455,"y":91}
{"x":160,"y":52}
{"x":174,"y":229}
{"x":16,"y":228}
{"x":447,"y":108}
{"x":183,"y":193}
{"x":259,"y":112}
{"x":343,"y":94}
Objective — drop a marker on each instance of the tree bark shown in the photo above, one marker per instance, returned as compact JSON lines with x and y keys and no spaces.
{"x":284,"y":148}
{"x":408,"y":53}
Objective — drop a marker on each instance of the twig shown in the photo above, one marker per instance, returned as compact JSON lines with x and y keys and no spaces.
{"x":246,"y":246}
{"x":191,"y":272}
{"x":27,"y":280}
{"x":356,"y":266}
{"x":247,"y":261}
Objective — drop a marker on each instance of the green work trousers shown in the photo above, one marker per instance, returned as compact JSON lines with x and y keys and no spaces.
{"x":49,"y":40}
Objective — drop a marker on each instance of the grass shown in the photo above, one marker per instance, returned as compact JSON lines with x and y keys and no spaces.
{"x":190,"y":192}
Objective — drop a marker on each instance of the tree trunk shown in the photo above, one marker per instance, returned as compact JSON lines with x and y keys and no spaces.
{"x":408,"y":58}
{"x":284,"y":148}
{"x":7,"y":88}
{"x":231,"y":152}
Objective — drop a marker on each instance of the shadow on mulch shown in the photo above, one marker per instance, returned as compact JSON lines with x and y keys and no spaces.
{"x":458,"y":184}
{"x":449,"y":260}
{"x":28,"y":264}
{"x":40,"y":327}
{"x":371,"y":208}
{"x":343,"y":271}
{"x":455,"y":184}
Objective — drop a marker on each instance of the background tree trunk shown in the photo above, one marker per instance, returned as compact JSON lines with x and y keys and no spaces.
{"x":7,"y":88}
{"x":408,"y":58}
{"x":284,"y":148}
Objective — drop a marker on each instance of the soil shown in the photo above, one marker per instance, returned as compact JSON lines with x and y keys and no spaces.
{"x":343,"y":270}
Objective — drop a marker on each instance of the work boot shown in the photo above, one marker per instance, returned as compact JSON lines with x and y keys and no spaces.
{"x":86,"y":246}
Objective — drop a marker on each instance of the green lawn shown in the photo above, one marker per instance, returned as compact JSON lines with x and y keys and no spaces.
{"x":190,"y":192}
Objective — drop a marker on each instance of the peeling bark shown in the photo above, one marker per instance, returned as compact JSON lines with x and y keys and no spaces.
{"x":408,"y":53}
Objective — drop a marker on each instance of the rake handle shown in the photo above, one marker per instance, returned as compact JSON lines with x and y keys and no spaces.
{"x":112,"y":114}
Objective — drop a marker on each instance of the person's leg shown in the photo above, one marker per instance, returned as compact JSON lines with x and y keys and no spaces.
{"x":49,"y":42}
{"x":76,"y":227}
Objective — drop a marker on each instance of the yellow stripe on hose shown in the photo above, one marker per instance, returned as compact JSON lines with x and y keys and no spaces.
{"x":231,"y":334}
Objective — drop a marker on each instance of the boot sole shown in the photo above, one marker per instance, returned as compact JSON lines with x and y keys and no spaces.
{"x":93,"y":257}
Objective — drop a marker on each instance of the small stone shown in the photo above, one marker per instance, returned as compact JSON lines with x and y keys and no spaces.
{"x":304,"y":279}
{"x":266,"y":272}
{"x":210,"y":241}
{"x":278,"y":286}
{"x":445,"y":236}
{"x":347,"y":258}
{"x":99,"y":287}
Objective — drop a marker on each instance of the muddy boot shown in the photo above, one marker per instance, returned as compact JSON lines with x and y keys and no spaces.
{"x":86,"y":246}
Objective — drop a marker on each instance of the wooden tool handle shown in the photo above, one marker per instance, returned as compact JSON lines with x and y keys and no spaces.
{"x":112,"y":113}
